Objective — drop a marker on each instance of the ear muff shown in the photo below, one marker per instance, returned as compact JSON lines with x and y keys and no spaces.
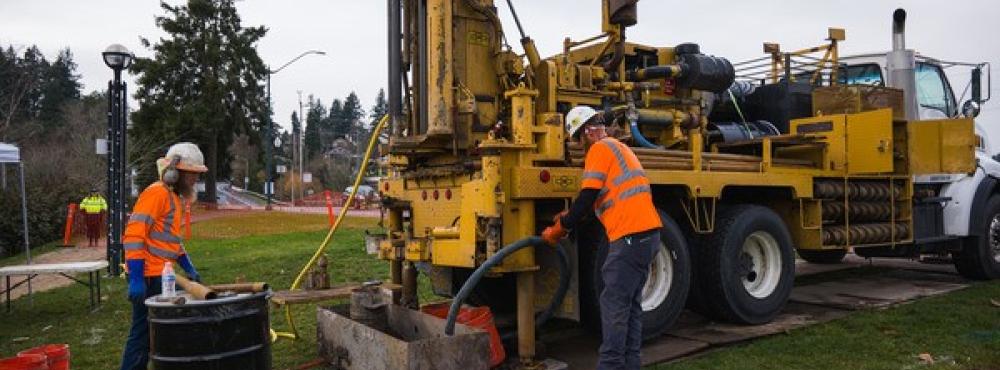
{"x":171,"y":175}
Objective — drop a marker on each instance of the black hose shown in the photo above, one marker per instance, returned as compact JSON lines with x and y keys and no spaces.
{"x":473,"y":280}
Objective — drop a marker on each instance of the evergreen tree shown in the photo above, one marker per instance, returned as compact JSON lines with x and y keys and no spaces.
{"x":61,"y":86}
{"x":351,"y":123}
{"x":381,"y":108}
{"x":333,"y":121}
{"x":32,"y":68}
{"x":314,"y":121}
{"x":296,"y":125}
{"x":203,"y":84}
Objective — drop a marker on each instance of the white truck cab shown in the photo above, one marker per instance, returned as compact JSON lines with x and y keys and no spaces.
{"x":971,"y":201}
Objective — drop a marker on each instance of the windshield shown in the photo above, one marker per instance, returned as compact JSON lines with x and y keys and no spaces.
{"x":861,"y":74}
{"x":933,"y":91}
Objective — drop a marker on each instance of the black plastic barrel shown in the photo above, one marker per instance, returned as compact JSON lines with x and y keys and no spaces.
{"x":225,"y":333}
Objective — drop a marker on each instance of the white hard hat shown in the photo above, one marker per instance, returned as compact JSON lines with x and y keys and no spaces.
{"x":577,"y":117}
{"x":189,"y":158}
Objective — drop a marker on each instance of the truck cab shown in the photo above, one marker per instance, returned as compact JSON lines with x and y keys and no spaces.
{"x":965,"y":197}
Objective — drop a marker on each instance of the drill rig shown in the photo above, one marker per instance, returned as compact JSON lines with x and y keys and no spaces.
{"x":746,"y":172}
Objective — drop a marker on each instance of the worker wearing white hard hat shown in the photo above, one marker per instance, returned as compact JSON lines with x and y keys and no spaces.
{"x":152,"y":240}
{"x":614,"y":188}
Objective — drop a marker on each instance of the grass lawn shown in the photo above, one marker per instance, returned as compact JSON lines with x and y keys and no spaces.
{"x":281,"y":244}
{"x":961,"y":330}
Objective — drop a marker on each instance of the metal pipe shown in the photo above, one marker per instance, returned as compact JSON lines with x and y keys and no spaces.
{"x":899,"y":29}
{"x":526,"y":317}
{"x":409,"y":286}
{"x":395,"y":66}
{"x":654,"y":72}
{"x":902,"y":64}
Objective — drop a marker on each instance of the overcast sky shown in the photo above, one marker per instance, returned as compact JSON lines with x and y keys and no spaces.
{"x":353,"y":34}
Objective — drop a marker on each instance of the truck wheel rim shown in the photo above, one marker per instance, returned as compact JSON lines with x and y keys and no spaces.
{"x":659,"y":279}
{"x":761,"y":270}
{"x":995,"y":237}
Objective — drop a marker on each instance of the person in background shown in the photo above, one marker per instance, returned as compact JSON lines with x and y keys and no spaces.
{"x":93,"y":207}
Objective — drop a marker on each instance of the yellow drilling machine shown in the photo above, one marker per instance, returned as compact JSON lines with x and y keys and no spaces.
{"x":799,"y":153}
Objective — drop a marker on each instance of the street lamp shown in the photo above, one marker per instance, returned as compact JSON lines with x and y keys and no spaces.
{"x":268,"y":181}
{"x":116,"y":57}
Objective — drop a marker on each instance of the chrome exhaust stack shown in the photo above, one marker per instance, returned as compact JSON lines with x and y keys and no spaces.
{"x":901,"y":63}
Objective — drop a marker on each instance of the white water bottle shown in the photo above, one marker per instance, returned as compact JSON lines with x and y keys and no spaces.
{"x":168,"y":281}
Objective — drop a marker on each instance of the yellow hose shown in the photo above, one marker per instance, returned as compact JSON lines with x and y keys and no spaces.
{"x":294,"y":334}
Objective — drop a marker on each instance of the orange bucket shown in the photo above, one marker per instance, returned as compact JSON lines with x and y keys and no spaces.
{"x":477,"y":317}
{"x":57,"y":355}
{"x":24,"y":362}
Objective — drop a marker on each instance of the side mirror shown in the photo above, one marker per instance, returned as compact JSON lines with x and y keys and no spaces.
{"x":977,"y":86}
{"x":971,"y":108}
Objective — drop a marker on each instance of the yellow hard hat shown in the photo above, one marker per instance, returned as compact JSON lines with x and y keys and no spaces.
{"x":577,"y":117}
{"x":189,"y":158}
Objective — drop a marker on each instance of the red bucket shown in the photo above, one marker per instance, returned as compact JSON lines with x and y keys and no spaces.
{"x":24,"y":362}
{"x":57,"y":355}
{"x":477,"y":317}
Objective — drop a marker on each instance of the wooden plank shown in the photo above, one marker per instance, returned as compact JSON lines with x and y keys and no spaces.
{"x":794,"y":315}
{"x":284,"y":297}
{"x":869,"y":292}
{"x":580,"y":352}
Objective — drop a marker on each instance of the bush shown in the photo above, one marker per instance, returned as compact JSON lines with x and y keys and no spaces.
{"x":60,"y":167}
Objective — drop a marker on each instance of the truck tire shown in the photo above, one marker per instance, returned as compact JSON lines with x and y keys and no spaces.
{"x":979,"y":258}
{"x":823,"y":257}
{"x":667,"y":284}
{"x":747,"y":266}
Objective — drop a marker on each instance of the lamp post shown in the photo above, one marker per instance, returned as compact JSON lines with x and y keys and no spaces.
{"x":116,"y":57}
{"x":268,"y":181}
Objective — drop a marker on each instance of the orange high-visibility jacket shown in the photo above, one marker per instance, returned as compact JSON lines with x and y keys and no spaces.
{"x":154,"y":229}
{"x":625,"y":202}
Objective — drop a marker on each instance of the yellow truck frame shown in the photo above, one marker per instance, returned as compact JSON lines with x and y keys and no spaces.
{"x":478,"y":158}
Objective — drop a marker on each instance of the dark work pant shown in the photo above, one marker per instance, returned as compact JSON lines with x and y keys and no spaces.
{"x":136,"y":354}
{"x":93,"y":227}
{"x":624,"y":273}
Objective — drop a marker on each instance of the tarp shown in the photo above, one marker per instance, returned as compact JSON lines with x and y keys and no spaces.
{"x":9,"y":153}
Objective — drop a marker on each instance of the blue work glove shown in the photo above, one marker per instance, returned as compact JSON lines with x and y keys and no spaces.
{"x":136,"y":280}
{"x":188,"y":267}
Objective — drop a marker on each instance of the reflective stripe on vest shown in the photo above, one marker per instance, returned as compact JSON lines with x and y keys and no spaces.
{"x":134,"y":246}
{"x":141,"y":217}
{"x":163,"y":253}
{"x":604,"y":207}
{"x":633,"y":191}
{"x":627,"y":174}
{"x":167,"y":235}
{"x":594,"y":175}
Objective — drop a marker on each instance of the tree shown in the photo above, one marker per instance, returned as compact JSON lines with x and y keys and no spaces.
{"x":204,"y":84}
{"x":296,"y":125}
{"x":350,"y":123}
{"x":61,"y":85}
{"x":314,"y":120}
{"x":333,"y":122}
{"x":378,"y":110}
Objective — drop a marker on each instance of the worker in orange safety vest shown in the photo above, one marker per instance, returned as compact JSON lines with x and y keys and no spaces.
{"x":153,"y":238}
{"x":616,"y":189}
